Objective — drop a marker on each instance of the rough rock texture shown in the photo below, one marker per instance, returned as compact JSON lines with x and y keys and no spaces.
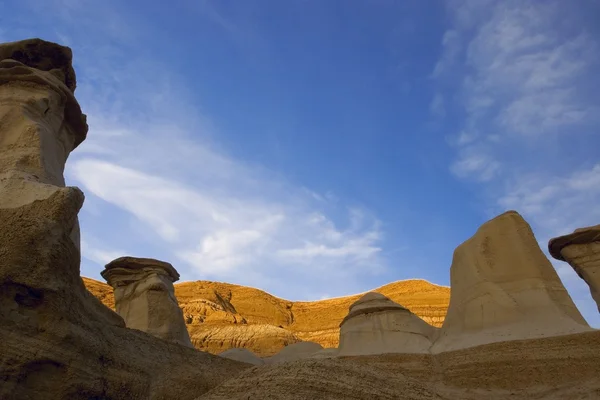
{"x":242,"y":355}
{"x":293,"y":352}
{"x":556,"y":368}
{"x":145,"y":297}
{"x":504,"y":288}
{"x":377,"y":325}
{"x":262,"y":339}
{"x":221,"y":316}
{"x":57,"y":341}
{"x":325,"y":353}
{"x":581,"y":249}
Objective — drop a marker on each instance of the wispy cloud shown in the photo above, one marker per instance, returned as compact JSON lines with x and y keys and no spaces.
{"x":159,"y":184}
{"x":521,"y":79}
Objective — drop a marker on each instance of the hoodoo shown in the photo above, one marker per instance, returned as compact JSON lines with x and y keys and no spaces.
{"x":504,"y":288}
{"x":581,"y":249}
{"x":377,"y":325}
{"x":145,"y":297}
{"x":57,"y":341}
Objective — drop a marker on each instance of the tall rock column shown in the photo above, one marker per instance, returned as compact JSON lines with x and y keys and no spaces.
{"x":581,"y":249}
{"x":504,"y":288}
{"x":145,"y":297}
{"x":40,"y":124}
{"x":57,"y":341}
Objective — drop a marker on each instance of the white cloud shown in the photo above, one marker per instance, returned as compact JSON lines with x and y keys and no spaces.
{"x":438,"y":106}
{"x":475,"y":162}
{"x":521,"y":70}
{"x":451,"y":48}
{"x":99,"y":255}
{"x":159,"y":184}
{"x":215,"y":217}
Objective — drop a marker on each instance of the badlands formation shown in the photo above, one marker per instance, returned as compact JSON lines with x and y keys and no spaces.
{"x":581,"y":249}
{"x":511,"y":329}
{"x":145,"y":297}
{"x":221,"y":316}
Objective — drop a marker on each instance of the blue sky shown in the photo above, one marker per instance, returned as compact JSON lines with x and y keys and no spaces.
{"x":322,"y":148}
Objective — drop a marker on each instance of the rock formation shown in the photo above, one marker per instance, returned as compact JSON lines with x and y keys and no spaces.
{"x":242,"y":355}
{"x":56,"y":340}
{"x":145,"y":297}
{"x":581,"y":249}
{"x":221,"y":316}
{"x":262,"y":339}
{"x":377,"y":325}
{"x":555,"y":368}
{"x":325,"y":353}
{"x":293,"y":352}
{"x":504,"y":288}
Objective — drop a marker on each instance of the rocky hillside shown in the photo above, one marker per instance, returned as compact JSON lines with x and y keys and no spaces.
{"x":220,"y":316}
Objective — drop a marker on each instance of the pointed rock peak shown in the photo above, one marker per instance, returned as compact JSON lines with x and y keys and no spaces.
{"x":370,"y":303}
{"x":504,"y":288}
{"x":374,"y":300}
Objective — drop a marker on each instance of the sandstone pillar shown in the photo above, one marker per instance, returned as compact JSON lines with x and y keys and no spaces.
{"x":377,"y":325}
{"x":504,"y":288}
{"x":581,"y":249}
{"x":145,"y":297}
{"x":57,"y":341}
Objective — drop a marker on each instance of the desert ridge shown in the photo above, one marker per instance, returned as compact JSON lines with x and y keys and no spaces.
{"x":220,"y":316}
{"x":506,"y":327}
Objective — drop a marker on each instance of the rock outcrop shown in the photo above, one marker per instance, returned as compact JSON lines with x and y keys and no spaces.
{"x":325,"y":353}
{"x":581,"y":249}
{"x":57,"y":341}
{"x":242,"y":355}
{"x":293,"y":352}
{"x":220,"y":316}
{"x":262,"y":339}
{"x":504,"y":288}
{"x":563,"y":367}
{"x":377,"y":325}
{"x":145,"y":297}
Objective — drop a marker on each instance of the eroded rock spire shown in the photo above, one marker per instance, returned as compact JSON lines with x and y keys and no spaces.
{"x":581,"y":249}
{"x":145,"y":297}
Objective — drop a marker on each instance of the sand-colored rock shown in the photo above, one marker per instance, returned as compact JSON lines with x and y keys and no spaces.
{"x":556,"y":368}
{"x":40,"y":121}
{"x":262,"y":339}
{"x":209,"y":307}
{"x":581,"y":249}
{"x":294,"y":352}
{"x":325,"y":353}
{"x":377,"y":325}
{"x":504,"y":288}
{"x":57,"y":341}
{"x":242,"y":355}
{"x":145,"y":297}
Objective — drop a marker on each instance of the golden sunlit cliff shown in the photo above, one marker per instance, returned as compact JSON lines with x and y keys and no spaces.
{"x":220,"y":316}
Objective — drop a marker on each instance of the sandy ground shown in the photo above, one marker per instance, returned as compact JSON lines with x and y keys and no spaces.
{"x":566,"y":367}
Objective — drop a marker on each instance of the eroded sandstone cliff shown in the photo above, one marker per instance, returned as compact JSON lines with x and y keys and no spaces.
{"x":221,"y":316}
{"x":57,"y":341}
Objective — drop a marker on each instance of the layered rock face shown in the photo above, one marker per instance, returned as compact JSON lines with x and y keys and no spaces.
{"x":145,"y":297}
{"x":220,"y":316}
{"x":563,"y":367}
{"x":377,"y":325}
{"x":504,"y":288}
{"x":57,"y":341}
{"x":581,"y":249}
